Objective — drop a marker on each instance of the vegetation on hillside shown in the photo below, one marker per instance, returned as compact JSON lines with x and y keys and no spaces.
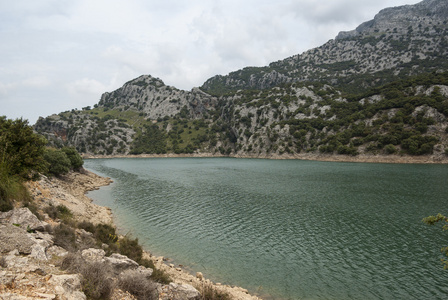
{"x":23,"y":156}
{"x":406,"y":117}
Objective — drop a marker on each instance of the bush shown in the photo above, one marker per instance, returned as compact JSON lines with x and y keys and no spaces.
{"x":390,"y":149}
{"x":65,"y":237}
{"x":105,"y":234}
{"x":131,"y":248}
{"x":138,"y":285}
{"x":21,"y":150}
{"x":58,"y":162}
{"x":87,"y":226}
{"x":208,"y":292}
{"x":76,"y":161}
{"x":160,"y":276}
{"x":96,"y":282}
{"x":59,"y":212}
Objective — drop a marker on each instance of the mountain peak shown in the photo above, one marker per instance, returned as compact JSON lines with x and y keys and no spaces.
{"x":398,"y":19}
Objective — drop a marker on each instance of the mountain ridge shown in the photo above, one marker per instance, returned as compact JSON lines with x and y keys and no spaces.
{"x":379,"y":90}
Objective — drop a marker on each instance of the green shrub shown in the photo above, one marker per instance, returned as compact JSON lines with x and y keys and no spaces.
{"x":105,"y":234}
{"x":21,"y":150}
{"x":131,"y":248}
{"x":59,"y":212}
{"x":390,"y":149}
{"x":87,"y":226}
{"x":11,"y":188}
{"x":58,"y":162}
{"x":76,"y":161}
{"x":160,"y":276}
{"x":3,"y":263}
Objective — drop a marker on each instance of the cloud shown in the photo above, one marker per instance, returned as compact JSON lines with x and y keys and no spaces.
{"x":85,"y":87}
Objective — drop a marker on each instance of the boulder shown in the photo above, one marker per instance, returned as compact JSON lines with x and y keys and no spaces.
{"x":175,"y":291}
{"x":13,"y":237}
{"x":68,"y":286}
{"x":120,"y":263}
{"x":23,"y":217}
{"x":199,"y":276}
{"x":117,"y":262}
{"x":56,"y":251}
{"x":93,"y":255}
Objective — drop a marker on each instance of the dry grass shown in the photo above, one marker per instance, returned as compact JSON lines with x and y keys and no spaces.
{"x":65,"y":237}
{"x":96,"y":277}
{"x":209,"y":292}
{"x":138,"y":285}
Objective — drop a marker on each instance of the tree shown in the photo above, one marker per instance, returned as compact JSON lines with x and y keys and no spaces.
{"x":21,"y":150}
{"x":432,"y":220}
{"x":58,"y":162}
{"x":76,"y":161}
{"x":21,"y":158}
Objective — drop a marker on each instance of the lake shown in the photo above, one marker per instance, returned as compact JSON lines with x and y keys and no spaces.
{"x":287,"y":229}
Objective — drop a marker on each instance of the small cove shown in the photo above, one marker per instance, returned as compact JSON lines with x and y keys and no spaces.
{"x":287,"y":229}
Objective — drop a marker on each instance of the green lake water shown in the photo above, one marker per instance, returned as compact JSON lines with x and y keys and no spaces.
{"x":287,"y":229}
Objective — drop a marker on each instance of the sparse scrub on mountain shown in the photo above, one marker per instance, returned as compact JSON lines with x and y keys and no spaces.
{"x":378,"y":86}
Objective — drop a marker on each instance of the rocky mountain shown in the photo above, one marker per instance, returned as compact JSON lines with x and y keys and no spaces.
{"x":398,"y":42}
{"x":379,"y":89}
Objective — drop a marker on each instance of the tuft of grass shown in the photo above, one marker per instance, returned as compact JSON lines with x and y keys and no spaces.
{"x":60,"y":212}
{"x":160,"y":276}
{"x":138,"y":285}
{"x":11,"y":188}
{"x":209,"y":292}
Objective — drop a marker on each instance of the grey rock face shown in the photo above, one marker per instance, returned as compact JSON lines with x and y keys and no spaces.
{"x":68,"y":286}
{"x":23,"y":217}
{"x":13,"y":237}
{"x":120,"y":263}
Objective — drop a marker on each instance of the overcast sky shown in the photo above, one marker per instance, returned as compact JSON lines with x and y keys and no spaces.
{"x":57,"y":55}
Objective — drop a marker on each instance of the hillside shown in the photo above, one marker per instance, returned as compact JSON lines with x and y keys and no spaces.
{"x":398,"y":42}
{"x":379,"y":89}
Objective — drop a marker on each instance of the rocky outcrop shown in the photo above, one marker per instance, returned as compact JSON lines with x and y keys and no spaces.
{"x":23,"y":217}
{"x":150,"y":96}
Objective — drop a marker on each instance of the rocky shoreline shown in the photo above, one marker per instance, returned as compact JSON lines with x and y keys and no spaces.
{"x":32,"y":273}
{"x":362,"y":158}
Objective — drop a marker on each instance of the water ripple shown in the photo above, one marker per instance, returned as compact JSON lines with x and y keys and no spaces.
{"x":289,"y":229}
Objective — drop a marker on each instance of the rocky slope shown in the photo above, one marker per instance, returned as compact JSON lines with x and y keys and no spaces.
{"x":398,"y":42}
{"x":32,"y":260}
{"x":328,"y":100}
